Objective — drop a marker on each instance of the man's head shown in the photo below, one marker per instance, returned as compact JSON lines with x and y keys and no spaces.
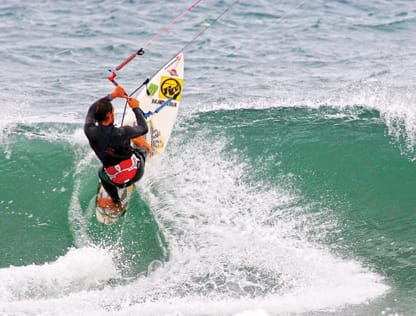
{"x":104,"y":112}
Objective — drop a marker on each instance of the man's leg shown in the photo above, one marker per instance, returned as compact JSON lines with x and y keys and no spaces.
{"x":141,"y":142}
{"x":108,"y":186}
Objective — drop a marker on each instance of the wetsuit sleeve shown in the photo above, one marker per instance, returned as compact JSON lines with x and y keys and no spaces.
{"x":141,"y":127}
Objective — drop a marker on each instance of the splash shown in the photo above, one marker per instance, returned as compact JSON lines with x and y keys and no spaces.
{"x":78,"y":270}
{"x":238,"y":245}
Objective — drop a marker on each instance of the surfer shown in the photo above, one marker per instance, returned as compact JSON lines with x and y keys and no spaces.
{"x":123,"y":165}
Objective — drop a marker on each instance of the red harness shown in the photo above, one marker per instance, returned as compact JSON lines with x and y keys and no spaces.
{"x":124,"y":171}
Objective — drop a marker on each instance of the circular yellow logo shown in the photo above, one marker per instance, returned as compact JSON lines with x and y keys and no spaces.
{"x":171,"y":88}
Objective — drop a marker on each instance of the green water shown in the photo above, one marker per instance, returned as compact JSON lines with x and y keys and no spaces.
{"x":344,"y":161}
{"x":353,"y":184}
{"x":36,"y":199}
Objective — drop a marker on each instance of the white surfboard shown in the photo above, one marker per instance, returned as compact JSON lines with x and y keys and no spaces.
{"x":160,"y":101}
{"x":104,"y":212}
{"x":165,"y":86}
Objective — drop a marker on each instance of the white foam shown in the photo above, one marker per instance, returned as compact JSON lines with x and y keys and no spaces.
{"x":240,"y":246}
{"x":78,"y":270}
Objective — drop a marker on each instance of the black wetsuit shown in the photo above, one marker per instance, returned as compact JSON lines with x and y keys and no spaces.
{"x":112,"y":145}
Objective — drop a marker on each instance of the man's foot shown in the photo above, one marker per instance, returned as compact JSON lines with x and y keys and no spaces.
{"x":109,"y":204}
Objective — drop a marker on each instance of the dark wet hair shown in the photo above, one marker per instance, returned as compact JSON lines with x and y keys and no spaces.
{"x":102,"y":107}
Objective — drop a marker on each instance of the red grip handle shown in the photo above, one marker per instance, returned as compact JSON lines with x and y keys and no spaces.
{"x":112,"y":78}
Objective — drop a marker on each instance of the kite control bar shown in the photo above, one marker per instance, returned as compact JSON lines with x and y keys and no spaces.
{"x":154,"y":38}
{"x":163,"y":30}
{"x":130,"y":58}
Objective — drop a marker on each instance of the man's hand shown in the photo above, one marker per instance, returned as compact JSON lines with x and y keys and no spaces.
{"x":133,"y":103}
{"x":119,"y":92}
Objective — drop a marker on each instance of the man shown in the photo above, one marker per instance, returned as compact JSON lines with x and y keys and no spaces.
{"x":122,"y":164}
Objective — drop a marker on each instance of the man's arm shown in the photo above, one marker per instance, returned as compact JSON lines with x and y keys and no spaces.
{"x":141,"y":127}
